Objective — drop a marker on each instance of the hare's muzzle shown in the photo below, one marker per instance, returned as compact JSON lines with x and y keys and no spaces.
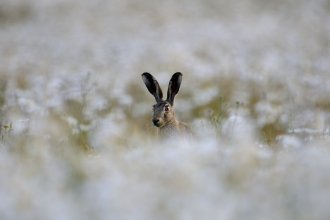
{"x":156,"y":122}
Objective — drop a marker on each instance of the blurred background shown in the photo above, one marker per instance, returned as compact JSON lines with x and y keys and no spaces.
{"x":76,"y":135}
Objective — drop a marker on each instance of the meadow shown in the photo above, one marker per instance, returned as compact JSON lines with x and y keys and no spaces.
{"x":76,"y":137}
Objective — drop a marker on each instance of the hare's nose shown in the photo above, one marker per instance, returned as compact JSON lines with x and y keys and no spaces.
{"x":155,"y":121}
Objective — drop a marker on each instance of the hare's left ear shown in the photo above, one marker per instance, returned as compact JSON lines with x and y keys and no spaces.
{"x":152,"y":86}
{"x":173,"y":87}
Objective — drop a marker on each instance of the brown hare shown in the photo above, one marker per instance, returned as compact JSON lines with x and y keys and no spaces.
{"x":163,"y":113}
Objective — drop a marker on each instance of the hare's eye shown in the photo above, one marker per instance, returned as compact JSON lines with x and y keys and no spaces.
{"x":166,"y":108}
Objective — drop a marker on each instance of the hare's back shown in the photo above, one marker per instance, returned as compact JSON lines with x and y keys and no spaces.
{"x":184,"y":128}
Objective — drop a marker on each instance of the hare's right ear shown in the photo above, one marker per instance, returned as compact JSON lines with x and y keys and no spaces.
{"x":153,"y":86}
{"x":173,"y":87}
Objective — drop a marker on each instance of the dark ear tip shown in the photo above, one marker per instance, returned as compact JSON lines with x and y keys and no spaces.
{"x":145,"y":73}
{"x":177,"y":74}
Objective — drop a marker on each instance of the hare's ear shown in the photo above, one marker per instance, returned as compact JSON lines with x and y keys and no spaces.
{"x":152,"y":86}
{"x":173,"y":87}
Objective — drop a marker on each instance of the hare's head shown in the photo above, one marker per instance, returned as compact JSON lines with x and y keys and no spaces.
{"x":163,"y":109}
